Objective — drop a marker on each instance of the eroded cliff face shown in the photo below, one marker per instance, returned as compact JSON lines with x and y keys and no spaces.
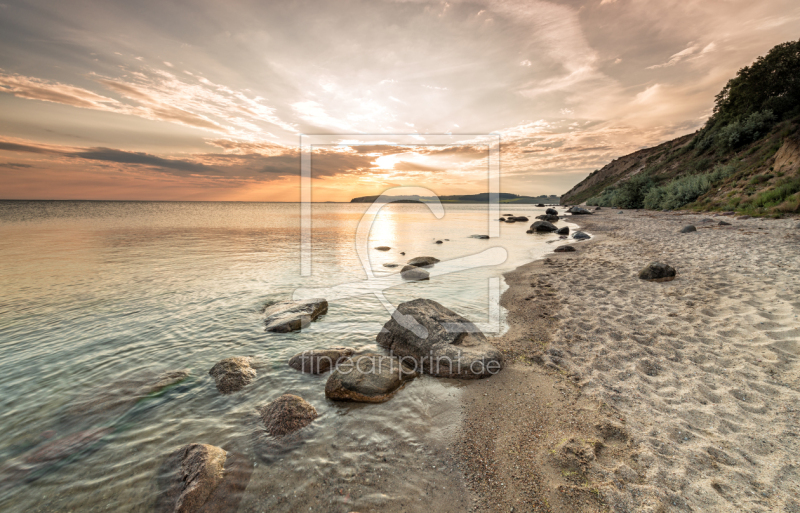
{"x":787,"y":159}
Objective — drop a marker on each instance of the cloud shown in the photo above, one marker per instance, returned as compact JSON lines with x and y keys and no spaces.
{"x":314,"y":113}
{"x":55,"y":92}
{"x":15,"y":165}
{"x":128,"y":157}
{"x":685,"y":54}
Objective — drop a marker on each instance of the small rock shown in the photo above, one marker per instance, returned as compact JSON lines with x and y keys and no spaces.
{"x":581,"y":236}
{"x":706,"y":220}
{"x":564,"y":249}
{"x":551,"y":211}
{"x":368,"y":378}
{"x":528,"y":231}
{"x":511,"y":220}
{"x":390,"y":265}
{"x":403,"y":253}
{"x":317,"y":361}
{"x":233,"y":374}
{"x":576,"y":211}
{"x":549,"y":218}
{"x":620,"y":212}
{"x":564,"y":230}
{"x":688,"y":229}
{"x":723,"y":223}
{"x":423,"y":261}
{"x":413,"y":273}
{"x":287,"y":414}
{"x":293,"y":315}
{"x":543,"y":226}
{"x":439,"y":242}
{"x":479,"y":236}
{"x":508,"y":215}
{"x":743,"y":217}
{"x":657,"y":271}
{"x":383,"y":248}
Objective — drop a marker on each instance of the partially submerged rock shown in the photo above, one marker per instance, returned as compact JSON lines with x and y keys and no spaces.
{"x":368,"y":378}
{"x":657,"y":271}
{"x":581,"y":236}
{"x":233,"y":374}
{"x":576,"y":211}
{"x":551,"y":211}
{"x":423,"y":261}
{"x":293,"y":315}
{"x":688,"y":228}
{"x":109,"y":401}
{"x":317,"y":361}
{"x":543,"y":226}
{"x":412,"y":273}
{"x":287,"y":414}
{"x":440,"y":342}
{"x":390,"y":265}
{"x":548,"y":217}
{"x":479,"y":236}
{"x":564,"y":249}
{"x":202,"y":478}
{"x":519,"y":218}
{"x":383,"y":248}
{"x":564,"y":230}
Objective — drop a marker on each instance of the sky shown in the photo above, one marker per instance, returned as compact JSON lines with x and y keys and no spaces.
{"x":208,"y":100}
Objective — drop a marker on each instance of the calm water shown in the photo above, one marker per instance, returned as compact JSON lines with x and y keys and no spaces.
{"x":96,"y":291}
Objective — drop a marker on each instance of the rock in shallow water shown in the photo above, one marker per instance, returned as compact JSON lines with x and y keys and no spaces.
{"x":551,"y":211}
{"x":423,"y":261}
{"x":287,"y":414}
{"x":317,"y":361}
{"x":413,"y":273}
{"x":383,"y":248}
{"x":543,"y":226}
{"x":440,"y":342}
{"x":293,"y":315}
{"x":581,"y":236}
{"x":564,"y":230}
{"x":202,"y":478}
{"x":233,"y":374}
{"x":657,"y":271}
{"x":368,"y":378}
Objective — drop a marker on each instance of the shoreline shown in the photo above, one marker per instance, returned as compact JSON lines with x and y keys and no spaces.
{"x":628,"y":395}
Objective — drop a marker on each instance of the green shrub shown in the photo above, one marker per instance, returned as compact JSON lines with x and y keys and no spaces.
{"x":754,"y":127}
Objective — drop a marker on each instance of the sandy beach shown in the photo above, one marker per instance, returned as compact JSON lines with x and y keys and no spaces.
{"x":628,"y":395}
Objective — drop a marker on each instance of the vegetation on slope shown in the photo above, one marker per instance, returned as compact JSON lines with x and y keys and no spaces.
{"x":745,"y":158}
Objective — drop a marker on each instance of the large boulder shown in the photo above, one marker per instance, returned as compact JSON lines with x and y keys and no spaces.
{"x":423,"y":261}
{"x":657,"y":271}
{"x":441,"y":342}
{"x":551,"y":211}
{"x":317,"y":361}
{"x":543,"y":226}
{"x":564,"y":249}
{"x":202,"y":477}
{"x":287,"y":414}
{"x":233,"y":374}
{"x":564,"y":230}
{"x":688,"y":229}
{"x":578,"y":211}
{"x":413,"y":273}
{"x":293,"y":315}
{"x":581,"y":236}
{"x":547,"y":217}
{"x":368,"y":378}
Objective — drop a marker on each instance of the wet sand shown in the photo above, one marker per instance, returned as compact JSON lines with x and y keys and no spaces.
{"x":628,"y":395}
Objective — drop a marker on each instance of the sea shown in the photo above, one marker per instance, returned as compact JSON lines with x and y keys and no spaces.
{"x":97,"y":296}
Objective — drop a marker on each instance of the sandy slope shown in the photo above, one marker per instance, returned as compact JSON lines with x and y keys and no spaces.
{"x":701,"y":371}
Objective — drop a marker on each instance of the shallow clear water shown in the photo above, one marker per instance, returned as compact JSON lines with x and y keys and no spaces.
{"x":95,"y":291}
